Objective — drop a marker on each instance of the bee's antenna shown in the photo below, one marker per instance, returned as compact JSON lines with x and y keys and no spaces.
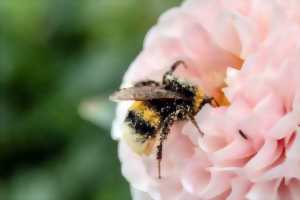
{"x":173,"y":68}
{"x":176,"y":64}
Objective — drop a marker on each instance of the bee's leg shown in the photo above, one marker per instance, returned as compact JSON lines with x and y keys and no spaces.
{"x":210,"y":100}
{"x":146,"y":83}
{"x":164,"y":130}
{"x":207,"y":99}
{"x":196,"y":124}
{"x":214,"y":103}
{"x":159,"y":156}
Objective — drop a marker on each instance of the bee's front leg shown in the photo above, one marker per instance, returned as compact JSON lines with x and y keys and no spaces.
{"x":194,"y":122}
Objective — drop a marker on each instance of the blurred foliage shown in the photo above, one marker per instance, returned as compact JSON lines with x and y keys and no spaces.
{"x":55,"y":54}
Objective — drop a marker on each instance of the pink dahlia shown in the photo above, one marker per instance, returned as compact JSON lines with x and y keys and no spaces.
{"x":247,"y":52}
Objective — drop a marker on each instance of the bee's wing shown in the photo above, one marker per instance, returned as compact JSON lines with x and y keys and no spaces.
{"x":143,"y":93}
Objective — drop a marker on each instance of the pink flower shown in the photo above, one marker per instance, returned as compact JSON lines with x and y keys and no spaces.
{"x":252,"y":46}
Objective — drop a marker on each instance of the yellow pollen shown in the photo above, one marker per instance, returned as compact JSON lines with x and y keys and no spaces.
{"x":146,"y":113}
{"x":198,"y":99}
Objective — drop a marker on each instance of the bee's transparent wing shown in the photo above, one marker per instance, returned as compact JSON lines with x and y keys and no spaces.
{"x":143,"y":93}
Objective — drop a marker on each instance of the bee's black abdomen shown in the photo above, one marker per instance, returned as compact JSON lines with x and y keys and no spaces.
{"x":167,"y":107}
{"x":140,"y":125}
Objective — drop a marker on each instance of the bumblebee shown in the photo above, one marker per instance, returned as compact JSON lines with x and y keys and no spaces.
{"x":156,"y":107}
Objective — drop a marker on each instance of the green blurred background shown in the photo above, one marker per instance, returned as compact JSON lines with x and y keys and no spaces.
{"x":54,"y":55}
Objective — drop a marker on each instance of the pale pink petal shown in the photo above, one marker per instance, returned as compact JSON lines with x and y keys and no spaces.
{"x":265,"y":156}
{"x":178,"y":150}
{"x":242,"y":7}
{"x":117,"y":129}
{"x":293,"y":151}
{"x":285,"y":126}
{"x":237,"y":149}
{"x":264,"y":190}
{"x":295,"y":188}
{"x":138,"y":173}
{"x":284,"y":192}
{"x":225,"y":34}
{"x":205,"y":11}
{"x":211,"y":144}
{"x":185,"y":195}
{"x":139,"y":195}
{"x":240,"y":187}
{"x":216,"y":187}
{"x":170,"y":188}
{"x":248,"y":35}
{"x":266,"y":14}
{"x":196,"y":177}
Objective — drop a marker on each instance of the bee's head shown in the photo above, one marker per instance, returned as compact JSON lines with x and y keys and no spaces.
{"x":185,"y":88}
{"x":178,"y":85}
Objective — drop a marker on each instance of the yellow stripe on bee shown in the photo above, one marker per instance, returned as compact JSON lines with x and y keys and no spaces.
{"x":146,"y":113}
{"x":199,"y":95}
